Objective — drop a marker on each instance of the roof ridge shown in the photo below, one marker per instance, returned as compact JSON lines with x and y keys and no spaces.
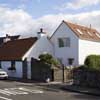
{"x":18,"y":40}
{"x":80,"y":25}
{"x":22,"y":39}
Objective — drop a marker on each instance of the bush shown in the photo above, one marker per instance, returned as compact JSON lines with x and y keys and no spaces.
{"x":93,"y":62}
{"x":48,"y":59}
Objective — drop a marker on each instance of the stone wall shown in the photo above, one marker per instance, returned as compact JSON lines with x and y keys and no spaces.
{"x":86,"y":77}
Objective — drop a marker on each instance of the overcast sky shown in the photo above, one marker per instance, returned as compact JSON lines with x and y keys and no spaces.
{"x":26,"y":17}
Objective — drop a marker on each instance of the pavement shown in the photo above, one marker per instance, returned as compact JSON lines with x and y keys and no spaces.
{"x":68,"y":86}
{"x":59,"y":86}
{"x":83,"y":90}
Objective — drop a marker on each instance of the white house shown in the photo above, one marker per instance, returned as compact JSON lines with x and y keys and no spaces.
{"x":72,"y":43}
{"x":17,"y":54}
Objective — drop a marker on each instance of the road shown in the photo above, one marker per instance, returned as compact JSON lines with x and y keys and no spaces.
{"x":13,"y":90}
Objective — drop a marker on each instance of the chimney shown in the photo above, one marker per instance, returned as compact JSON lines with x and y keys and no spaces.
{"x":41,"y":30}
{"x":41,"y":33}
{"x":7,"y":38}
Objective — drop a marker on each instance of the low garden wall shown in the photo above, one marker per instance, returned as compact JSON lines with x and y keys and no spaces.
{"x":86,"y":77}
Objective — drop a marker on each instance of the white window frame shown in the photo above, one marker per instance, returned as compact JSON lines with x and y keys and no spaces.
{"x":66,"y":42}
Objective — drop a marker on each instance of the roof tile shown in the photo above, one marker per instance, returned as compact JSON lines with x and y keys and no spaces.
{"x":85,"y":31}
{"x":15,"y":50}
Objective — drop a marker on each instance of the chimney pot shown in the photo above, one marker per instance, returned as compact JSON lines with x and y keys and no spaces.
{"x":7,"y":38}
{"x":41,"y":33}
{"x":7,"y":35}
{"x":90,"y":26}
{"x":41,"y":30}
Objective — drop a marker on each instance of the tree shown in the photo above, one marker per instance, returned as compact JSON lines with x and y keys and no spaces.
{"x":48,"y":59}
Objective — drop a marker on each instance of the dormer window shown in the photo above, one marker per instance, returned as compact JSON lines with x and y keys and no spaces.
{"x":98,"y":35}
{"x":78,"y":30}
{"x":90,"y":33}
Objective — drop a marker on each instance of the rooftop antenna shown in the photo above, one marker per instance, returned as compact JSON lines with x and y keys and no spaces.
{"x":90,"y":26}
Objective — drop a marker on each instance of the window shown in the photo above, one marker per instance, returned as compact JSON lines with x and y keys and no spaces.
{"x":98,"y":35}
{"x":64,"y":42}
{"x":90,"y":33}
{"x":13,"y":64}
{"x":12,"y":67}
{"x":80,"y":31}
{"x":70,"y":61}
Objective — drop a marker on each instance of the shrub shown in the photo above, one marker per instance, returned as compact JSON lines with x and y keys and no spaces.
{"x":93,"y":62}
{"x":48,"y":59}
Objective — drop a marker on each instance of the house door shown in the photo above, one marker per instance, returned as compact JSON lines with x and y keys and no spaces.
{"x":25,"y":69}
{"x":52,"y":75}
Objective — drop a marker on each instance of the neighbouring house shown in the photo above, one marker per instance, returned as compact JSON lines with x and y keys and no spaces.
{"x":8,"y":38}
{"x":72,"y":43}
{"x":16,"y":55}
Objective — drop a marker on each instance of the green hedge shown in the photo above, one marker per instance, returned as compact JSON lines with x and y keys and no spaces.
{"x":93,"y":62}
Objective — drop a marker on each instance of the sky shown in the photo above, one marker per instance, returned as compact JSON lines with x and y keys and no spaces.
{"x":26,"y":17}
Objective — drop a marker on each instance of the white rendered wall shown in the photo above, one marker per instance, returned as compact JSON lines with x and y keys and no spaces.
{"x":65,"y":52}
{"x":17,"y":73}
{"x":43,"y":45}
{"x":5,"y":65}
{"x":87,"y":48}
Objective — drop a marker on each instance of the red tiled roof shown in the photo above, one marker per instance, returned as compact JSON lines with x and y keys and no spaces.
{"x":86,"y":33}
{"x":15,"y":50}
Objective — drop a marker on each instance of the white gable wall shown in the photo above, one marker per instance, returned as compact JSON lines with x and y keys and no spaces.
{"x":65,"y":52}
{"x":87,"y":48}
{"x":42,"y":45}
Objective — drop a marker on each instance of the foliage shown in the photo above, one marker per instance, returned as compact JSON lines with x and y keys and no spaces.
{"x":93,"y":62}
{"x":47,"y":58}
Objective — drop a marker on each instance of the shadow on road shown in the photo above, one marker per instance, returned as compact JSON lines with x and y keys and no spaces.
{"x":85,"y":97}
{"x":20,"y":80}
